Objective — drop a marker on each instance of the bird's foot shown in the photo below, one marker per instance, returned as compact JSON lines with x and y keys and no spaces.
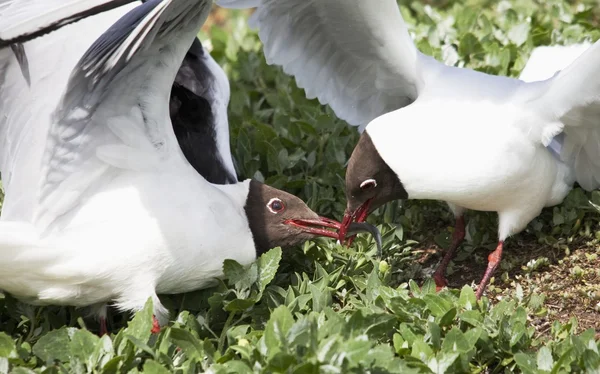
{"x":440,"y":281}
{"x":155,"y":325}
{"x":457,"y":237}
{"x":493,"y":263}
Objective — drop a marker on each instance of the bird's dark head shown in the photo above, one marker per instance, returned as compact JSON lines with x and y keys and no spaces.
{"x":370,"y":183}
{"x":280,"y":219}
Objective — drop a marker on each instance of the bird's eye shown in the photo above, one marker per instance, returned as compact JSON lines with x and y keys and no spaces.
{"x":275,"y":205}
{"x":368,"y":184}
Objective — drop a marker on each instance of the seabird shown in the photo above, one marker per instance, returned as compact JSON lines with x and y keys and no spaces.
{"x":483,"y":143}
{"x":474,"y":140}
{"x":109,"y":208}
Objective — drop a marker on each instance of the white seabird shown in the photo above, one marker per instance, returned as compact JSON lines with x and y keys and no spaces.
{"x":102,"y":204}
{"x":433,"y":131}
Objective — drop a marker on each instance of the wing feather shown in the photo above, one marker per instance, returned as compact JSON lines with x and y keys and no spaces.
{"x":570,"y":103}
{"x":354,"y":55}
{"x":23,"y":20}
{"x":114,"y":114}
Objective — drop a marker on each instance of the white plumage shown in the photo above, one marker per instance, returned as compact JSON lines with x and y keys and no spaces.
{"x":490,"y":153}
{"x":107,"y":221}
{"x":545,"y":61}
{"x":101,"y":203}
{"x":474,"y":140}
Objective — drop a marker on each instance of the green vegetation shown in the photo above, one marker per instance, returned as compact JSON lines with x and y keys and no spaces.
{"x":326,"y":308}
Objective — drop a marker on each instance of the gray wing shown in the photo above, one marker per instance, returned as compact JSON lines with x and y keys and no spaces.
{"x":114,"y":115}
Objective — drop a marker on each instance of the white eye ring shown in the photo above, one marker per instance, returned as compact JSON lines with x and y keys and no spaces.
{"x":275,"y":199}
{"x":367,"y":181}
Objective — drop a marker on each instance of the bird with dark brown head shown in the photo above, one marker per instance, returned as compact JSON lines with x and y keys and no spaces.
{"x":370,"y":183}
{"x":280,"y":219}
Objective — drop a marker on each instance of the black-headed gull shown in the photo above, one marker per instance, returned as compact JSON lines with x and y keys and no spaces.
{"x":101,"y":204}
{"x":508,"y":137}
{"x":482,"y":142}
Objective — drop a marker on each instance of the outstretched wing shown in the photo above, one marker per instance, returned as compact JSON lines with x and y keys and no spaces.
{"x":355,"y":55}
{"x":26,"y":109}
{"x":570,"y":103}
{"x":22,"y":20}
{"x":114,"y":115}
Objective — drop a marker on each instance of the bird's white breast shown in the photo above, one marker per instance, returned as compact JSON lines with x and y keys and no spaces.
{"x":479,"y":156}
{"x":169,"y":231}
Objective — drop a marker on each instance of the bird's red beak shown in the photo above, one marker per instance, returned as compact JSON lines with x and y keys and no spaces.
{"x":359,"y":215}
{"x":318,"y":227}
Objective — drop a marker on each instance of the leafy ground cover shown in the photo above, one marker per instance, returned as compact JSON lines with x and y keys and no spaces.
{"x":326,"y":308}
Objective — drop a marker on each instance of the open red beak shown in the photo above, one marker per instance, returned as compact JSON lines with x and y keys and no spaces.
{"x":318,"y":227}
{"x":359,"y":215}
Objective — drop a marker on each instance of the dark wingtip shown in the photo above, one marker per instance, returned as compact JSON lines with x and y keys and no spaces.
{"x":357,"y":227}
{"x":19,"y":52}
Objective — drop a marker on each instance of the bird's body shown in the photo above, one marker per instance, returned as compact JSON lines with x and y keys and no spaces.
{"x":433,"y":131}
{"x":102,"y":203}
{"x":125,"y":222}
{"x":490,"y":145}
{"x":138,"y":235}
{"x":481,"y":157}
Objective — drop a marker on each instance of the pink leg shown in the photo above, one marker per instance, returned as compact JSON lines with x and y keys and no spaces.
{"x":103,"y":329}
{"x":493,"y":262}
{"x":155,"y":325}
{"x":457,"y":237}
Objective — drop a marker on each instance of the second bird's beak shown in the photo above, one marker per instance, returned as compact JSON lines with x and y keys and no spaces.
{"x":357,"y":216}
{"x":320,"y":227}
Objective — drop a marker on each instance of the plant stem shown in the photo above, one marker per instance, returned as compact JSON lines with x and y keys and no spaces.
{"x":224,"y":332}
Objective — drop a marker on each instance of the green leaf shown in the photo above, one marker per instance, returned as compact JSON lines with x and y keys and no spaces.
{"x":268,"y":263}
{"x":437,"y":305}
{"x":469,"y":45}
{"x":140,"y":327}
{"x":421,"y":350}
{"x":240,"y":276}
{"x":276,"y":330}
{"x":103,"y":351}
{"x":7,"y":346}
{"x":591,"y":361}
{"x":545,"y":361}
{"x":22,"y":370}
{"x":428,"y":286}
{"x":188,"y":343}
{"x":517,"y":332}
{"x":435,"y":334}
{"x":518,"y":34}
{"x":448,"y":318}
{"x":455,"y":341}
{"x":467,"y":298}
{"x":53,"y":346}
{"x":83,"y":346}
{"x":525,"y":362}
{"x":239,"y":305}
{"x":442,"y":362}
{"x":472,"y":317}
{"x":153,"y":367}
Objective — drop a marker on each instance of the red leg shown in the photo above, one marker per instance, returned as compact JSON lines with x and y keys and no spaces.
{"x":103,"y":329}
{"x":155,"y":325}
{"x":493,"y":262}
{"x":457,"y":237}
